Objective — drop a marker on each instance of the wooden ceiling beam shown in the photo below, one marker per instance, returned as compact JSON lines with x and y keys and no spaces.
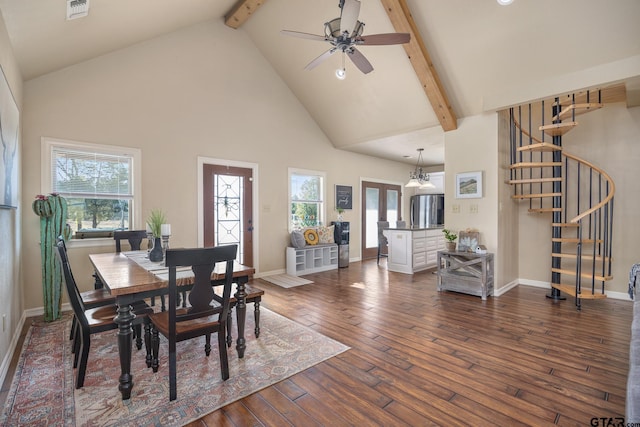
{"x":241,"y":11}
{"x":403,"y":22}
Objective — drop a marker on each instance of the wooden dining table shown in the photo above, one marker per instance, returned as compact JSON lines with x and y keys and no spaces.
{"x":130,"y":280}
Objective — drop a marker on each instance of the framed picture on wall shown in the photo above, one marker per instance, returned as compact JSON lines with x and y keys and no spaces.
{"x":9,"y":126}
{"x":344,"y":197}
{"x":469,"y":185}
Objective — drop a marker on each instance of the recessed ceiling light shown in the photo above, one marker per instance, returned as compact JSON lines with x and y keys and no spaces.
{"x":504,"y":2}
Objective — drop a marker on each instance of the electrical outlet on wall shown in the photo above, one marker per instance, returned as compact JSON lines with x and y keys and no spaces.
{"x":473,"y":209}
{"x":455,"y":208}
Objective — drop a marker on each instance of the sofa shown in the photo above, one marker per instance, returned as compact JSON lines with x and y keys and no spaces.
{"x":632,"y":416}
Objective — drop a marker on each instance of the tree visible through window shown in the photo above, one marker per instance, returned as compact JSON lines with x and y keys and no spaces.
{"x":307,"y":199}
{"x":97,"y":185}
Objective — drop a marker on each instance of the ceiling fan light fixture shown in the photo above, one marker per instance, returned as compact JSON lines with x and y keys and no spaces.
{"x":341,"y":73}
{"x":504,"y":2}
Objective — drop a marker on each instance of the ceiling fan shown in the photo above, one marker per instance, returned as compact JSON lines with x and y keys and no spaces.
{"x":344,"y":34}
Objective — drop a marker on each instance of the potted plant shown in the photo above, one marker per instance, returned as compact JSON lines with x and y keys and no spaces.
{"x":451,"y":237}
{"x":340,"y":211}
{"x":154,"y":221}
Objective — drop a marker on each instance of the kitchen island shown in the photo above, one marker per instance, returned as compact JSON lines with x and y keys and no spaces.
{"x":413,"y":249}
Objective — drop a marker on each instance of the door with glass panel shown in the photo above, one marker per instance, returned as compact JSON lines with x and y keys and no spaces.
{"x":228,"y":207}
{"x":380,"y":202}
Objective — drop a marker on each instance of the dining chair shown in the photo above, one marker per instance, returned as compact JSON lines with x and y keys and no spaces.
{"x":94,"y":320}
{"x":134,"y":237}
{"x":207,"y":311}
{"x":95,"y":298}
{"x":382,"y":239}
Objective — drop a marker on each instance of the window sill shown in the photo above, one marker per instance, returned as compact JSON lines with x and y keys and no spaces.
{"x":90,"y":243}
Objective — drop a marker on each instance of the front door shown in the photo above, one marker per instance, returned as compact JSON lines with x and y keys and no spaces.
{"x":380,"y":202}
{"x":228,"y":206}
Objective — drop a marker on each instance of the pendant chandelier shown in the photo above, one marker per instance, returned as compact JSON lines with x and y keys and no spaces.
{"x":418,"y":178}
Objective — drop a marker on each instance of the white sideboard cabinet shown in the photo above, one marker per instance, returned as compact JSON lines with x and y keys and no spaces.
{"x":311,"y":259}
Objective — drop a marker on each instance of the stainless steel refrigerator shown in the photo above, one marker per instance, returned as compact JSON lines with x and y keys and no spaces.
{"x":427,"y":210}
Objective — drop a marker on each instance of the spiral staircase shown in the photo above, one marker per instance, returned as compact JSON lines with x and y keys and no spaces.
{"x":576,"y":193}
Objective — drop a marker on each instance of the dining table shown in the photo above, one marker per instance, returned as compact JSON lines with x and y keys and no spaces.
{"x":130,"y":276}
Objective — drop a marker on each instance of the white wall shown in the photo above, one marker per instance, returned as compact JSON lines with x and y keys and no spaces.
{"x":10,"y":228}
{"x":474,"y":147}
{"x":201,"y":91}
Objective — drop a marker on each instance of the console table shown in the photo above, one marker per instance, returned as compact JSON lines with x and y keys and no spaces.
{"x":465,"y":272}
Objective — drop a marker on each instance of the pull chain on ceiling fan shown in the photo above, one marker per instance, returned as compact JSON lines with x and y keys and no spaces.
{"x":344,"y":34}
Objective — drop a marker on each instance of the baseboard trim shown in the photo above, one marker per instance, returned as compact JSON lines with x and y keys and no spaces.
{"x":12,"y":348}
{"x":547,"y":285}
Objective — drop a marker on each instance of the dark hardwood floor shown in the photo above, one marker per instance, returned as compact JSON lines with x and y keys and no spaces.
{"x":419,"y":357}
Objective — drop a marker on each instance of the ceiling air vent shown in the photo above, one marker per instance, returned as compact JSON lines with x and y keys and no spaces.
{"x":77,"y":8}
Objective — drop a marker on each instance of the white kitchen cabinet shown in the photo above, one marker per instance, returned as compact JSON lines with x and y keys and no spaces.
{"x":412,"y":250}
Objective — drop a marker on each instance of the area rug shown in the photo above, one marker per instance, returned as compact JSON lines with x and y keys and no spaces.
{"x":286,"y":281}
{"x":42,"y":392}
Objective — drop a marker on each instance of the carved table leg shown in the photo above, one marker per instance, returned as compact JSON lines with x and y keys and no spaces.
{"x":123,"y":319}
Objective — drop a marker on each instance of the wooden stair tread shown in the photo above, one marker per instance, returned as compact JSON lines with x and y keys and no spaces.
{"x":523,"y":165}
{"x":571,"y":290}
{"x":534,"y":180}
{"x":557,"y":129}
{"x":597,"y":258}
{"x":574,"y":240}
{"x":540,"y":146}
{"x":583,"y":275}
{"x":545,"y":210}
{"x":535,"y":196}
{"x":576,"y":109}
{"x":565,"y":224}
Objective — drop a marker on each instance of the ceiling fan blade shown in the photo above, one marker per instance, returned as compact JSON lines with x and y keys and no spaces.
{"x":313,"y":64}
{"x":359,"y":60}
{"x":304,"y":35}
{"x":349,"y":16}
{"x":384,"y":39}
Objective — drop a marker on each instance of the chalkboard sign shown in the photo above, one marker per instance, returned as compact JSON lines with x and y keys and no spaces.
{"x":344,"y":197}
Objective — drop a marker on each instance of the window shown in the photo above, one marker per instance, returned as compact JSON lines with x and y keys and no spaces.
{"x":99,"y":182}
{"x":306,"y":196}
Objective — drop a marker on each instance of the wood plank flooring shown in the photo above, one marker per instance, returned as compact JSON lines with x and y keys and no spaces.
{"x":420,"y":357}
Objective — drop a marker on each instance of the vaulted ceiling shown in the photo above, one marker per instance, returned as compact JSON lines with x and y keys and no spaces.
{"x":466,"y":57}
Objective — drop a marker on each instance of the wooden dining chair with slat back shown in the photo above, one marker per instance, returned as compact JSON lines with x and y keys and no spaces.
{"x":204,"y":315}
{"x":133,"y":237}
{"x":95,"y":320}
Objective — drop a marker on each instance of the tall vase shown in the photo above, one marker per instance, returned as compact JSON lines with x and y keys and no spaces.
{"x":52,"y":211}
{"x":156,"y":253}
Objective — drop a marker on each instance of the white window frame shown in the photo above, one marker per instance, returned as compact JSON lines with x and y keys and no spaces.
{"x":323,"y":192}
{"x":49,"y":144}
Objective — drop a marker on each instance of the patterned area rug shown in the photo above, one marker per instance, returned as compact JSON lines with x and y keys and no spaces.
{"x":286,"y":281}
{"x":42,"y":392}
